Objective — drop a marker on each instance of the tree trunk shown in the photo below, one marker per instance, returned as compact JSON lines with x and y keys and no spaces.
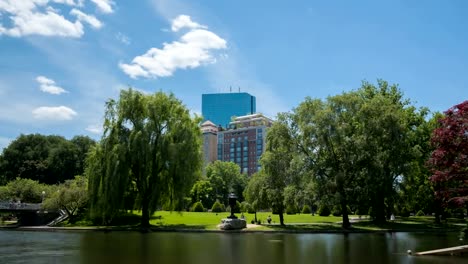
{"x":255,"y":217}
{"x":281,"y":218}
{"x":344,"y":211}
{"x":145,"y":212}
{"x":379,"y":210}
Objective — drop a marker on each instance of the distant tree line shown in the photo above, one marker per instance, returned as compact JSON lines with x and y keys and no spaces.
{"x":46,"y":159}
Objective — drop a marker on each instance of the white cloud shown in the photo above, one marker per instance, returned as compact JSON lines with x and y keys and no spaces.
{"x":95,"y":129}
{"x":192,"y":50}
{"x":58,"y":113}
{"x":104,"y":6}
{"x":48,"y":86}
{"x":91,"y":20}
{"x":38,"y":17}
{"x":184,"y":21}
{"x":123,"y":38}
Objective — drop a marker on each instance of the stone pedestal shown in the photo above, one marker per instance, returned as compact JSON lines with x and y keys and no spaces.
{"x":231,"y":224}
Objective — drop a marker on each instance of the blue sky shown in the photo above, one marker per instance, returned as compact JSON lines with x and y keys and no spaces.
{"x":60,"y":60}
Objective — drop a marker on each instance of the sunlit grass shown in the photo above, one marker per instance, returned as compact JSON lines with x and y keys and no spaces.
{"x":295,"y":223}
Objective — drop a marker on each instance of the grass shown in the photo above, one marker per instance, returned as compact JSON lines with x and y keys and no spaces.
{"x":294,"y":223}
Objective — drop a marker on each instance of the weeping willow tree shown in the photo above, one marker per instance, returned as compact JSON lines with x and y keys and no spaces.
{"x":150,"y":145}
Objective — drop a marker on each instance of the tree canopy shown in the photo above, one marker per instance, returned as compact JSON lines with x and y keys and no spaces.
{"x":47,"y":159}
{"x":150,"y":144}
{"x":449,"y":160}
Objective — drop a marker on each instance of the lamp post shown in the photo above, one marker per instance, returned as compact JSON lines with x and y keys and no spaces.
{"x":232,"y":203}
{"x":43,"y":194}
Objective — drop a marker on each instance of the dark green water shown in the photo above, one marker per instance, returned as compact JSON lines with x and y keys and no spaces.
{"x":259,"y":248}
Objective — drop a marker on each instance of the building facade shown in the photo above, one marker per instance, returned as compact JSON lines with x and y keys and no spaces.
{"x":219,"y":108}
{"x":210,"y":139}
{"x":244,"y":141}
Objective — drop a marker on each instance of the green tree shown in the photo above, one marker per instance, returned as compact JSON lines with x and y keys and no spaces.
{"x":225,"y":177}
{"x":276,"y":163}
{"x":255,"y":192}
{"x":202,"y":191}
{"x":71,"y":196}
{"x":150,"y":142}
{"x":26,"y":191}
{"x":358,"y":145}
{"x":47,"y":159}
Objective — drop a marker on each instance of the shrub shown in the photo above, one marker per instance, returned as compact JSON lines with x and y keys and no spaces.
{"x":306,"y":209}
{"x":291,"y":209}
{"x":404,"y":212}
{"x":420,"y":213}
{"x":217,"y":207}
{"x":198,"y":207}
{"x":324,"y":210}
{"x":246,"y":207}
{"x":336,"y":210}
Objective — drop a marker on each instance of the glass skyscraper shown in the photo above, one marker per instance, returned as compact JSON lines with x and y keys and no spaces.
{"x":220,"y":107}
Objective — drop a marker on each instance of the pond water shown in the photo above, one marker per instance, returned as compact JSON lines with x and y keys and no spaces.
{"x":259,"y":248}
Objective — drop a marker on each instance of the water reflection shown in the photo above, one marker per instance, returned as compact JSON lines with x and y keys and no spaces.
{"x":263,"y":248}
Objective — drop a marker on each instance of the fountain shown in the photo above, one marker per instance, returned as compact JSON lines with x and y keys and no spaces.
{"x":232,"y":222}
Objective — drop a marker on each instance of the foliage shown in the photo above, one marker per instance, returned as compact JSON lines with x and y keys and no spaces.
{"x":71,"y":196}
{"x":324,"y":210}
{"x":336,"y":210}
{"x":197,"y":207}
{"x":218,"y":207}
{"x":306,"y":209}
{"x":25,"y":190}
{"x":291,"y":209}
{"x":203,"y":191}
{"x":225,"y":177}
{"x":151,"y":145}
{"x":358,"y":144}
{"x":276,"y":163}
{"x":47,"y":159}
{"x":246,"y":208}
{"x":420,"y":213}
{"x":449,"y":160}
{"x":404,"y":212}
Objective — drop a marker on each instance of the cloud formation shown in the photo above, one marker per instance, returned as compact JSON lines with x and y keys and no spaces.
{"x":193,"y":49}
{"x":104,"y":6}
{"x":39,"y":17}
{"x":48,"y":86}
{"x":58,"y":113}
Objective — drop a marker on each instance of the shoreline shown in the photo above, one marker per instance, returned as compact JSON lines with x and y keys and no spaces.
{"x":188,"y":230}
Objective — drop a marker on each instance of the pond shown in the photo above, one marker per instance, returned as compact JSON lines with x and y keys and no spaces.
{"x":260,"y":248}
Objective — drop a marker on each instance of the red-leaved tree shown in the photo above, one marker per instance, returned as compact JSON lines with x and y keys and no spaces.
{"x":449,"y":160}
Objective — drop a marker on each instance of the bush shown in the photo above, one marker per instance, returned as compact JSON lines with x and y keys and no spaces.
{"x":246,"y":207}
{"x":291,"y":209}
{"x":217,"y":207}
{"x":336,"y":210}
{"x":404,"y":212}
{"x":198,"y":207}
{"x":306,"y":209}
{"x":324,"y":210}
{"x":420,"y":213}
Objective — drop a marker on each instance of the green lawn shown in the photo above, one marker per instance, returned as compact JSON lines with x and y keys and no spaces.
{"x":294,"y":223}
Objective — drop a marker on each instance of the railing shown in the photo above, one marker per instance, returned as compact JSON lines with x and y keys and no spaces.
{"x":20,"y":206}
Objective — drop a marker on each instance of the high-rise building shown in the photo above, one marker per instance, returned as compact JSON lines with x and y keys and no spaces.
{"x":219,"y":108}
{"x":209,"y":131}
{"x":244,"y":141}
